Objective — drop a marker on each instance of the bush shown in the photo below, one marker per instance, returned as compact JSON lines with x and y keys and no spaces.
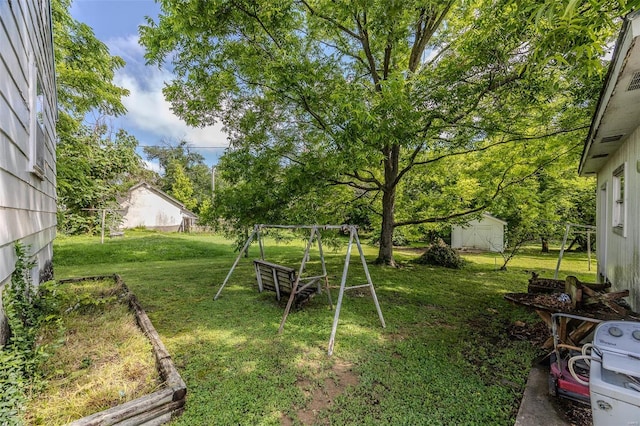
{"x":398,"y":239}
{"x":440,"y":254}
{"x":20,"y":357}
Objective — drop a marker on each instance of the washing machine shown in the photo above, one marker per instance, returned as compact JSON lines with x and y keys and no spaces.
{"x":614,"y":381}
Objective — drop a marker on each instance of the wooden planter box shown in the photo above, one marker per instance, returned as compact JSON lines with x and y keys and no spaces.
{"x":156,"y":408}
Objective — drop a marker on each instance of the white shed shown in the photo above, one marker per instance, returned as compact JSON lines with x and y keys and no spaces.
{"x":154,"y":209}
{"x":28,"y":105}
{"x":612,"y":154}
{"x":486,"y":233}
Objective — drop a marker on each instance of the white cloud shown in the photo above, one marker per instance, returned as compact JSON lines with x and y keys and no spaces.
{"x":148,"y":111}
{"x":149,"y":165}
{"x":127,"y":48}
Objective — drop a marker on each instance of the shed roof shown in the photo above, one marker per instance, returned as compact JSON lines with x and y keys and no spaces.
{"x":491,"y":217}
{"x":166,"y":196}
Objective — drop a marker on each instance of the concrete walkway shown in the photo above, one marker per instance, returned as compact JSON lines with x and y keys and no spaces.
{"x":536,"y":408}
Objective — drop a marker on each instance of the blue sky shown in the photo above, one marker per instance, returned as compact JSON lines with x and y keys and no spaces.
{"x":149,"y":117}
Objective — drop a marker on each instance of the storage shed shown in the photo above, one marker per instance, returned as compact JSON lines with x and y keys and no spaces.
{"x":486,"y":233}
{"x":152,"y":208}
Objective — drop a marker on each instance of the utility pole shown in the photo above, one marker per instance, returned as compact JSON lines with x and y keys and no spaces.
{"x":213,"y":180}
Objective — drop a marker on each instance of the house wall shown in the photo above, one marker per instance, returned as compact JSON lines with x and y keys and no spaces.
{"x":485,"y":234}
{"x":27,"y":171}
{"x":145,"y":207}
{"x":619,"y":252}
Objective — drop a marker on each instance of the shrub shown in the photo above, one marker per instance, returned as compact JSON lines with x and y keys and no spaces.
{"x":398,"y":239}
{"x":440,"y":254}
{"x":20,"y":356}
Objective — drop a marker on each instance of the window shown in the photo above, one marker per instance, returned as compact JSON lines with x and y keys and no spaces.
{"x":619,"y":197}
{"x":37,"y":138}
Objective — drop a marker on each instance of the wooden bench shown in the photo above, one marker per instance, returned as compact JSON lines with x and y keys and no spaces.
{"x":281,"y":279}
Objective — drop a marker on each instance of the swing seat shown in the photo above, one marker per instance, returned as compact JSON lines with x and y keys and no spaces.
{"x":281,"y":280}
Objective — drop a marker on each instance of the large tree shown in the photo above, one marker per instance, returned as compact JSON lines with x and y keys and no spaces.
{"x":94,"y":162}
{"x":95,"y":165}
{"x":184,"y":173}
{"x":370,"y":94}
{"x":84,"y":71}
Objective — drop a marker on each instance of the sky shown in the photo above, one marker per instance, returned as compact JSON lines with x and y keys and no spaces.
{"x":149,"y":117}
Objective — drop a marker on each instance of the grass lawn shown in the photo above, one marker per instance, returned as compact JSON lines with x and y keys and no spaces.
{"x":445,"y":357}
{"x":105,"y":359}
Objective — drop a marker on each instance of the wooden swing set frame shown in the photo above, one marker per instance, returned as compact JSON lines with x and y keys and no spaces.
{"x":304,"y":282}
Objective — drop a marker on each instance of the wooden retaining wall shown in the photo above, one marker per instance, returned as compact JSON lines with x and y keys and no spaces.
{"x":156,"y":408}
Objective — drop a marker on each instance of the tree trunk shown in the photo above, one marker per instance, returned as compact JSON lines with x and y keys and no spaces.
{"x":545,"y":244}
{"x":385,"y":253}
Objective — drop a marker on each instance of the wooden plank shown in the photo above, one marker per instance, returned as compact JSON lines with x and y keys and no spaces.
{"x":573,"y":289}
{"x":157,"y":416}
{"x":276,"y":282}
{"x":582,"y":330}
{"x":163,"y":359}
{"x":274,"y":265}
{"x":152,"y":409}
{"x":281,"y":279}
{"x":127,"y":410}
{"x":259,"y":277}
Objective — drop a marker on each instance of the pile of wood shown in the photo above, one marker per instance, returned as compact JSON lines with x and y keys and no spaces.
{"x":583,"y":296}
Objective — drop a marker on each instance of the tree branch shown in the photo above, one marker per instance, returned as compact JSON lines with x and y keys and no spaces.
{"x":330,"y":20}
{"x":372,"y":179}
{"x":366,"y":46}
{"x":412,"y":160}
{"x":499,"y":188}
{"x":425,"y":28}
{"x":502,"y":142}
{"x":354,"y":185}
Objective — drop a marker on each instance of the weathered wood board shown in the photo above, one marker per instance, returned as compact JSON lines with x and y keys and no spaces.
{"x":153,"y":409}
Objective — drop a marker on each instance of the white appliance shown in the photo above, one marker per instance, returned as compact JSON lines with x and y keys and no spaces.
{"x":614,"y":380}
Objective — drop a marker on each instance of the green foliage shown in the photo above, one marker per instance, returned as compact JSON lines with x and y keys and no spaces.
{"x":207,"y":216}
{"x":93,"y":164}
{"x":181,"y":188}
{"x":26,"y":310}
{"x":186,"y":177}
{"x":13,"y":385}
{"x":19,"y":303}
{"x":94,"y":167}
{"x":441,"y":254}
{"x":463,"y":99}
{"x":84,"y":71}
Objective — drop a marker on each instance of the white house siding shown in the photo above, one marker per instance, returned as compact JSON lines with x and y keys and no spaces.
{"x":146,"y":207}
{"x":27,"y":199}
{"x":619,"y":255}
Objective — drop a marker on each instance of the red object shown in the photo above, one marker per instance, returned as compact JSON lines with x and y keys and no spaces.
{"x":566,"y":382}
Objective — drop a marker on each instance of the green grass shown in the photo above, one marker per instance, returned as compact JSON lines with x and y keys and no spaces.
{"x":444,"y":358}
{"x":101,"y":358}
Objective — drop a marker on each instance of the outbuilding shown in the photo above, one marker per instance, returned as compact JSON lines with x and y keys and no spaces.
{"x":148,"y":207}
{"x":486,"y":233}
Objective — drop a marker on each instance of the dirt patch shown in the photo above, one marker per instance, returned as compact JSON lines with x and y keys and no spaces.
{"x":322,"y":395}
{"x":577,"y":414}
